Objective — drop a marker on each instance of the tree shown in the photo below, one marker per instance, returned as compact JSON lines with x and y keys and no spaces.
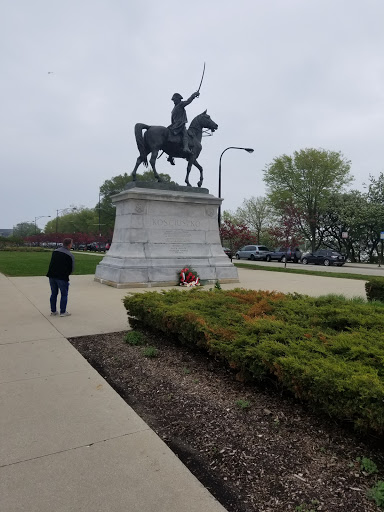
{"x":84,"y":220}
{"x":376,"y":189}
{"x":10,"y":241}
{"x":54,"y":238}
{"x":306,"y":180}
{"x":375,"y":197}
{"x":228,"y":215}
{"x":114,"y":186}
{"x":287,"y":232}
{"x":345,"y":213}
{"x":256,"y":214}
{"x":361,"y":215}
{"x":235,"y":236}
{"x":25,"y":229}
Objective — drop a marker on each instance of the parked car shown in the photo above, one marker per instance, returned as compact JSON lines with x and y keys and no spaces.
{"x":323,"y":257}
{"x":253,"y":252}
{"x":228,"y":252}
{"x":285,"y":253}
{"x":81,"y":247}
{"x":96,"y":246}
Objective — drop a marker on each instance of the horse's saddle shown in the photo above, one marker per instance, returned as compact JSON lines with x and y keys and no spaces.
{"x":174,"y":139}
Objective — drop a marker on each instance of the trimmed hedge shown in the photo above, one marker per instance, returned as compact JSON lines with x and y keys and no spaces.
{"x":25,"y":249}
{"x":327,"y":350}
{"x":374,"y":289}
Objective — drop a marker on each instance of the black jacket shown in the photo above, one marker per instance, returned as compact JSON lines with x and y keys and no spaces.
{"x":62,"y":264}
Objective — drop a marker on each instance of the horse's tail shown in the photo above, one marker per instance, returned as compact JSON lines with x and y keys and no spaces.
{"x":139,"y":127}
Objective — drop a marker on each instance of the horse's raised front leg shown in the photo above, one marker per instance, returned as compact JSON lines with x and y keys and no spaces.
{"x":196,"y":164}
{"x":152,"y":161}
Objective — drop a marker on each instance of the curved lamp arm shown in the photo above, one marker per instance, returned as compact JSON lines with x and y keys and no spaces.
{"x":248,"y":150}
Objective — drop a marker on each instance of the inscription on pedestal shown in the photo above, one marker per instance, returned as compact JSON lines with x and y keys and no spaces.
{"x":176,"y":237}
{"x":176,"y":223}
{"x":178,"y":249}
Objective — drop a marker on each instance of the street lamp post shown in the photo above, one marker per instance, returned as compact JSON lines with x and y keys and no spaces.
{"x":57,"y":215}
{"x":37,"y":218}
{"x":100,"y":208}
{"x":99,"y":215}
{"x":249,"y":150}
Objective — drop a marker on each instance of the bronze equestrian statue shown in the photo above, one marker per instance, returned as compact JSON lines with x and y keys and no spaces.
{"x":175,"y":141}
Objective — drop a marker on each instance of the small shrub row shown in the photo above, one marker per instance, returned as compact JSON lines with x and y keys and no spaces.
{"x":326,"y":350}
{"x":374,"y":289}
{"x":24,"y":249}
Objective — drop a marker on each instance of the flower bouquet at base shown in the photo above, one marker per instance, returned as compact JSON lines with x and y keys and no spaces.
{"x":188,"y":277}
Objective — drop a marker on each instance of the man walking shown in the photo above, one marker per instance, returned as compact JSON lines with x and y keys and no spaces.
{"x":61,"y":266}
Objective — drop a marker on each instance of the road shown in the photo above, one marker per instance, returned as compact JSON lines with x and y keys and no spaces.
{"x":349,"y":268}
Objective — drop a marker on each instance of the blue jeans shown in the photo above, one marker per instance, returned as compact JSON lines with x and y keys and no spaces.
{"x":56,"y":285}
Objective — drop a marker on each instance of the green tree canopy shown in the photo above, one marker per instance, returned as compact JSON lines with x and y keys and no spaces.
{"x":81,"y":220}
{"x":305,"y":181}
{"x":376,"y":189}
{"x":344,"y":212}
{"x":23,"y":229}
{"x":255,"y":213}
{"x":114,"y":186}
{"x":360,"y":217}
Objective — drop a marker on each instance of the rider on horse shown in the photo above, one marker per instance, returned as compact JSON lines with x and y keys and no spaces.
{"x":179,"y":118}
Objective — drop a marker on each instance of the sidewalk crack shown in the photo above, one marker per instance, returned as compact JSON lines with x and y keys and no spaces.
{"x":88,"y":445}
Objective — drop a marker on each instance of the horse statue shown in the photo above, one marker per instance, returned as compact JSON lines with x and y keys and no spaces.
{"x":159,"y":138}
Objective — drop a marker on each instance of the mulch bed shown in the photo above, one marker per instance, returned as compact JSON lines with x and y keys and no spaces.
{"x":254,"y":448}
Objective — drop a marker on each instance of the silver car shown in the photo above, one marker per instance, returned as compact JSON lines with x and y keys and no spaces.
{"x":253,"y":252}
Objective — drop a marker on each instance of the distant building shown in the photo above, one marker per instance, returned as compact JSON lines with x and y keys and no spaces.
{"x":6,"y":232}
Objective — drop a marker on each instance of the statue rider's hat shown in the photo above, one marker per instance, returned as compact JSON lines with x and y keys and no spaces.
{"x":177,"y":96}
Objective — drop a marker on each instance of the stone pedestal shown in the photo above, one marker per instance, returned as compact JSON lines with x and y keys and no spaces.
{"x":159,"y":231}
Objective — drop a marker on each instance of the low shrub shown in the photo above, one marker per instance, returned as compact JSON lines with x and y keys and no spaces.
{"x":150,"y":352}
{"x":374,"y":289}
{"x":24,"y":249}
{"x":243,"y":404}
{"x":367,"y":466}
{"x":134,"y":338}
{"x":377,"y":493}
{"x":326,"y":350}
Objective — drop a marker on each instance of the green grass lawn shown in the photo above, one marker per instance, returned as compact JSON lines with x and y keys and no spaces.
{"x":20,"y":264}
{"x":320,"y":273}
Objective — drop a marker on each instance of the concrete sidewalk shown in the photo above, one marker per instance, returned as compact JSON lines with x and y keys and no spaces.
{"x":68,"y":441}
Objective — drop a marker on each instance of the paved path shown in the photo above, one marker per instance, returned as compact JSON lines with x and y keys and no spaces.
{"x":68,"y":442}
{"x":349,"y":268}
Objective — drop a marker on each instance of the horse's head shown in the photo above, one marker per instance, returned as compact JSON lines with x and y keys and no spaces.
{"x":206,"y":122}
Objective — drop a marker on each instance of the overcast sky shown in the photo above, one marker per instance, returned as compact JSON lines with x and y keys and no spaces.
{"x":281,"y":75}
